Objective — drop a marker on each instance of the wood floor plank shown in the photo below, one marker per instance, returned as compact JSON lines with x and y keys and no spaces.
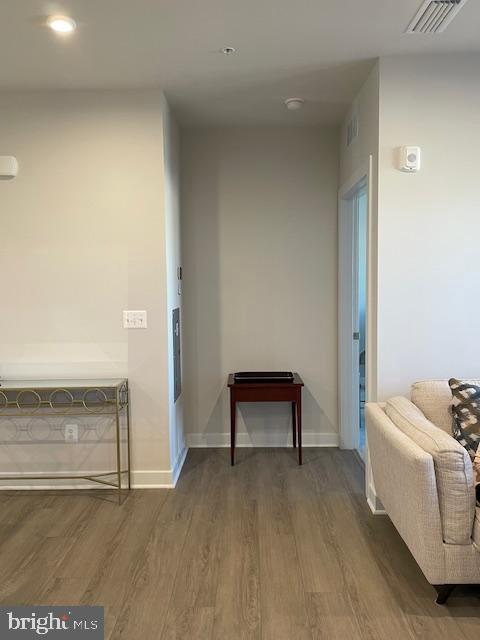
{"x":27,"y":583}
{"x":464,"y":607}
{"x":20,"y":544}
{"x":192,"y":622}
{"x":375,"y":604}
{"x":111,"y":582}
{"x":237,"y":604}
{"x":64,"y":591}
{"x":195,"y":585}
{"x":157,"y":567}
{"x":331,"y":617}
{"x":318,"y":561}
{"x":96,"y":531}
{"x":283,"y":598}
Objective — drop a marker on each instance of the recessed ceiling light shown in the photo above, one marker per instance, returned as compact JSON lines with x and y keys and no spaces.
{"x":293,"y":104}
{"x":229,"y":51}
{"x":61,"y":24}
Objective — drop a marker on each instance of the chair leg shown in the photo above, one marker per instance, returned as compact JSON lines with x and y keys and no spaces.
{"x":444,"y":592}
{"x":299,"y":430}
{"x":233,"y":417}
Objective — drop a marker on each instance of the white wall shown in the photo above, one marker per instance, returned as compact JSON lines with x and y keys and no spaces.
{"x":259,"y":219}
{"x":83,"y":237}
{"x":365,"y":107}
{"x":429,"y":296}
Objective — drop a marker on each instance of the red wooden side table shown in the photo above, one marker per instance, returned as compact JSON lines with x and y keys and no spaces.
{"x":258,"y":390}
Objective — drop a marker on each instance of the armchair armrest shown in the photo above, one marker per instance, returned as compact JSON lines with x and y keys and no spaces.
{"x":404,"y":477}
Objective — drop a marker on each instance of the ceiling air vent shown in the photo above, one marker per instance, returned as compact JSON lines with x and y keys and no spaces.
{"x":434,"y":16}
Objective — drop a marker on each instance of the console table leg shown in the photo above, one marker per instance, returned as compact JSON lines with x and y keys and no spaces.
{"x":294,"y":425}
{"x":233,"y":410}
{"x":119,"y":461}
{"x":128,"y":440}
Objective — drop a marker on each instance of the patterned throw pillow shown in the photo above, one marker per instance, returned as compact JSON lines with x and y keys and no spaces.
{"x":466,"y":422}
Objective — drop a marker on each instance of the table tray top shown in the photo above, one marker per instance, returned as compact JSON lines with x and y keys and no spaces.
{"x":262,"y":378}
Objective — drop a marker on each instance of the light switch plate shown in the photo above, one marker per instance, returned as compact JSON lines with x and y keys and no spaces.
{"x":134,"y":319}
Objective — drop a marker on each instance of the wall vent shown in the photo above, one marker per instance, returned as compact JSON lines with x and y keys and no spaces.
{"x":352,"y":130}
{"x":434,"y":16}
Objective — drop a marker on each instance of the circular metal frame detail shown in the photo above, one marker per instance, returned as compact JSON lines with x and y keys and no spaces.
{"x":123,"y":396}
{"x":30,"y":407}
{"x":8,"y":430}
{"x":60,"y":407}
{"x":3,"y":401}
{"x":34,"y":425}
{"x":95,"y":409}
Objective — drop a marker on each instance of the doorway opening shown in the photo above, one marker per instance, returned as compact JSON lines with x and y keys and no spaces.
{"x":360,"y":309}
{"x":353,"y":317}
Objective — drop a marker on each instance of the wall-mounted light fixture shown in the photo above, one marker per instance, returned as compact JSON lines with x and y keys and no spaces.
{"x":61,"y":24}
{"x":8,"y":167}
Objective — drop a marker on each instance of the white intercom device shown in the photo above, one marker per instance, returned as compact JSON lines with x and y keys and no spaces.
{"x":409,"y":159}
{"x":8,"y":167}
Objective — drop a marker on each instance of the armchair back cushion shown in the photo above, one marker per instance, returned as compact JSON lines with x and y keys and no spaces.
{"x":453,"y":469}
{"x":434,"y":399}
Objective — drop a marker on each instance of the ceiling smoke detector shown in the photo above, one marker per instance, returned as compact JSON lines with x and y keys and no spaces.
{"x":294,"y":104}
{"x":434,"y":16}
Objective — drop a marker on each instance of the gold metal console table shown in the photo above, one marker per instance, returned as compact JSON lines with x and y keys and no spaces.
{"x":75,"y":398}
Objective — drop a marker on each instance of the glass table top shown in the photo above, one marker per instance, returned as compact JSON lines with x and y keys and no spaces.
{"x":73,"y":383}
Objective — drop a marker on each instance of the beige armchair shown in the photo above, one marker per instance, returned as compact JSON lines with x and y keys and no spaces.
{"x":424,"y":479}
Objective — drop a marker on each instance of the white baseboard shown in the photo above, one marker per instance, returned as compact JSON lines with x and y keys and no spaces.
{"x":376,"y":506}
{"x":160,"y":479}
{"x":373,"y":501}
{"x":153,"y":479}
{"x":200,"y":440}
{"x":143,"y":479}
{"x":177,"y":467}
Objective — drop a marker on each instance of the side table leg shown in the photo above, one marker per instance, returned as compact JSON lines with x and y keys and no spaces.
{"x":233,"y":411}
{"x":299,"y":427}
{"x":294,"y":425}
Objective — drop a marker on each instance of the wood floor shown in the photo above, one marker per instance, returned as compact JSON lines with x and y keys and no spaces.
{"x":266,"y":550}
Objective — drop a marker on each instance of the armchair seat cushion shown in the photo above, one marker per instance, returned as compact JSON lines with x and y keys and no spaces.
{"x":453,"y":469}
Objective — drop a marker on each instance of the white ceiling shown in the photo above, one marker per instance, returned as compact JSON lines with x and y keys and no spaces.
{"x":316,"y":49}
